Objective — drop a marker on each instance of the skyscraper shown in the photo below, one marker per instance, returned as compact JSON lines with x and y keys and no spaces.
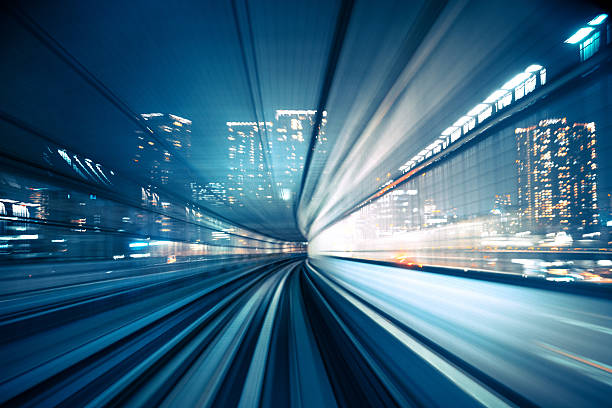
{"x":293,"y":129}
{"x":248,"y":175}
{"x":175,"y":130}
{"x":176,"y":133}
{"x":557,"y":176}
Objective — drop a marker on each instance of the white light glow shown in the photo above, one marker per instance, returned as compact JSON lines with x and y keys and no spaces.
{"x":283,"y":112}
{"x":579,"y":35}
{"x":477,"y":109}
{"x":18,"y":237}
{"x":533,"y":68}
{"x":456,"y":135}
{"x":598,"y":20}
{"x":230,"y":124}
{"x":495,"y":96}
{"x":146,"y":255}
{"x":155,"y":243}
{"x":449,"y":130}
{"x":180,"y":120}
{"x":511,"y":84}
{"x":285,"y":194}
{"x":139,"y":244}
{"x":461,"y":121}
{"x":485,"y":113}
{"x":434,"y":144}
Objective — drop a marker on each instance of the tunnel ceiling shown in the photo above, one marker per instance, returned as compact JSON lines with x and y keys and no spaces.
{"x":215,"y":102}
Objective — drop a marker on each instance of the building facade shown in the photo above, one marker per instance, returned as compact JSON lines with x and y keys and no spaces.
{"x":557,"y":176}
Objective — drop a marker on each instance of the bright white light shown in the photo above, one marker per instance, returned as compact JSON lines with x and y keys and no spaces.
{"x":180,"y":120}
{"x":230,"y":124}
{"x":579,"y":35}
{"x":455,"y":135}
{"x":146,"y":116}
{"x":146,"y":255}
{"x":560,"y":279}
{"x":20,"y":211}
{"x":485,"y":114}
{"x":477,"y":109}
{"x":284,"y":112}
{"x":511,"y":84}
{"x":449,"y":130}
{"x":461,"y":121}
{"x":505,"y":101}
{"x":139,"y":244}
{"x":533,"y":68}
{"x":58,"y":240}
{"x":285,"y":194}
{"x":434,"y":144}
{"x":598,"y":20}
{"x":154,"y":243}
{"x":469,"y":124}
{"x":18,"y":237}
{"x":495,"y":96}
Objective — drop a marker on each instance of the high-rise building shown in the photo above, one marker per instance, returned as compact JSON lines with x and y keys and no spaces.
{"x":248,"y":175}
{"x":293,"y":129}
{"x":557,"y":176}
{"x":176,"y":133}
{"x":175,"y":130}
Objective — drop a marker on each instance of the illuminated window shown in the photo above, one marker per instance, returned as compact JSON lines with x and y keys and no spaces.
{"x":485,"y":114}
{"x":519,"y":92}
{"x":589,"y":47}
{"x":469,"y":125}
{"x":504,"y":101}
{"x":455,"y":135}
{"x":530,"y":84}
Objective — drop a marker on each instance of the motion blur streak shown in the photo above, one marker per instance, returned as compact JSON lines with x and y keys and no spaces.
{"x":282,"y":332}
{"x":313,"y":203}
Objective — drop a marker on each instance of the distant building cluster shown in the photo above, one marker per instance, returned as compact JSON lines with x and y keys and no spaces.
{"x":556,"y":192}
{"x":267,"y":159}
{"x":249,"y":172}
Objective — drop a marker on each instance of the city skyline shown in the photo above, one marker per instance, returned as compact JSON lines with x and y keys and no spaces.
{"x":287,"y":142}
